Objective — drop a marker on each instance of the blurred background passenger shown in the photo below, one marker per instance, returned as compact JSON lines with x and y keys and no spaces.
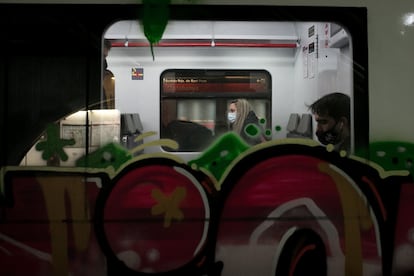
{"x":242,"y":120}
{"x":108,"y":79}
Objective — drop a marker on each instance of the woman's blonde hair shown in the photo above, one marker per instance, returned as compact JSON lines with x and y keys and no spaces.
{"x":243,"y":108}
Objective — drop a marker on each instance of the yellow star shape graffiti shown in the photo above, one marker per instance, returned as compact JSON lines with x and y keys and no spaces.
{"x":168,"y":204}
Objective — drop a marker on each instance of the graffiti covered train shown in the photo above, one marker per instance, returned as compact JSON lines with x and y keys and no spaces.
{"x":82,"y":199}
{"x":275,"y":209}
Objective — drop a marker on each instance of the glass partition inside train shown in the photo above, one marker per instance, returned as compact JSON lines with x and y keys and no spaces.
{"x":194,"y":102}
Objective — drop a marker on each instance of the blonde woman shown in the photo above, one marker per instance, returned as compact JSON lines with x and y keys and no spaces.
{"x":240,"y":116}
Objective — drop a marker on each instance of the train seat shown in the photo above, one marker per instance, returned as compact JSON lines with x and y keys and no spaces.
{"x":292,"y":124}
{"x":190,"y":136}
{"x":131,"y":127}
{"x":303,"y":126}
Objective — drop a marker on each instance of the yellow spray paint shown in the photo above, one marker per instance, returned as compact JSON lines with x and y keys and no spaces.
{"x":55,"y":189}
{"x":169,"y":205}
{"x":356,"y":218}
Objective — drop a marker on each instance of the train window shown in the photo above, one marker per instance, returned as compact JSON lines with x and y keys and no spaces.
{"x":184,"y":84}
{"x":194,"y":102}
{"x":198,"y":67}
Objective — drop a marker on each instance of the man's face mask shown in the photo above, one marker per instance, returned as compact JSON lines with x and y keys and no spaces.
{"x":330,"y":136}
{"x":231,"y":116}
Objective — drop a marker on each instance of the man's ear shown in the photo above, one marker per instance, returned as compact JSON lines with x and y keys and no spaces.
{"x":343,"y":121}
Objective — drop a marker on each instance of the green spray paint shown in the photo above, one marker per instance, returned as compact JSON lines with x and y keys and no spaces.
{"x":155,"y":15}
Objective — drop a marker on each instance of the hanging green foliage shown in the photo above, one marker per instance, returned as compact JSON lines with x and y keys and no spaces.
{"x":155,"y":15}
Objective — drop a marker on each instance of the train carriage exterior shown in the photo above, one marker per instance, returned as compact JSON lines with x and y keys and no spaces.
{"x":151,"y":182}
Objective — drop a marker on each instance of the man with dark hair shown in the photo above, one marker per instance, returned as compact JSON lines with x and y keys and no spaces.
{"x":332,"y":115}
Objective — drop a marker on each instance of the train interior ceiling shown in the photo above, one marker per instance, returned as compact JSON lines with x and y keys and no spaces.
{"x":198,"y":67}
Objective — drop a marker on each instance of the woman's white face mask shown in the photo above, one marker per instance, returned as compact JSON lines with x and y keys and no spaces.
{"x":231,"y":116}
